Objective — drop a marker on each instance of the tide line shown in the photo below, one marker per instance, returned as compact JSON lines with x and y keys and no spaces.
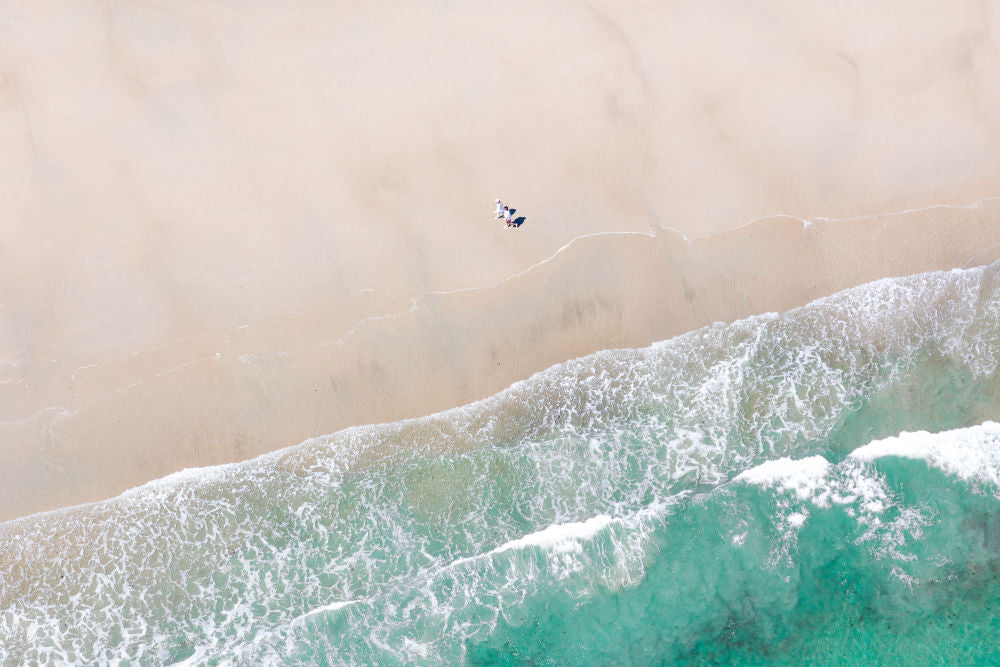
{"x":806,"y":222}
{"x":415,"y":302}
{"x":249,"y":358}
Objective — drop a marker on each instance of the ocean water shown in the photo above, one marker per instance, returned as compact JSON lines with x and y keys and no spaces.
{"x":820,"y":486}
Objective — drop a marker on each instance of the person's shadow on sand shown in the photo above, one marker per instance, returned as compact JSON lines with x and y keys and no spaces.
{"x":517,"y":222}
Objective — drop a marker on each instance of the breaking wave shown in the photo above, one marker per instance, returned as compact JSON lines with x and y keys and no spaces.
{"x":743,"y":492}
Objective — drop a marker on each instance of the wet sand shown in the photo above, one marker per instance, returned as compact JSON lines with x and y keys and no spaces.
{"x":228,"y":229}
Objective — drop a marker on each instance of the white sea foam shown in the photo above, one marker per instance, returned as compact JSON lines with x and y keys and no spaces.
{"x":969,"y":453}
{"x":851,"y":486}
{"x":333,"y":606}
{"x":565,"y":538}
{"x":806,"y":477}
{"x":856,"y":486}
{"x":567,"y":456}
{"x":559,"y":538}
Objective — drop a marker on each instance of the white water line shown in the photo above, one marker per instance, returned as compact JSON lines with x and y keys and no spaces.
{"x":806,"y":222}
{"x":415,"y":302}
{"x":36,"y":416}
{"x":250,"y":358}
{"x":907,"y":211}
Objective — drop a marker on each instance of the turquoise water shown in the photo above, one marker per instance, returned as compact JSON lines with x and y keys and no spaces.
{"x":744,"y":493}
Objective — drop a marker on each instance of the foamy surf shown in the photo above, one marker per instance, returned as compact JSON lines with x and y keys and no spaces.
{"x":652,"y":504}
{"x":971,"y":453}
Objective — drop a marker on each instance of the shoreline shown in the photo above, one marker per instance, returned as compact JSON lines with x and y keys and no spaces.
{"x":599,"y":291}
{"x":227,"y":230}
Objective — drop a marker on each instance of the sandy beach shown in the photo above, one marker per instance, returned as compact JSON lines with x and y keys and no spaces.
{"x":226,"y":229}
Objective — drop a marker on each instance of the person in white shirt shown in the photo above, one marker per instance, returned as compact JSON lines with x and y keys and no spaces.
{"x":507,"y":217}
{"x":499,"y":210}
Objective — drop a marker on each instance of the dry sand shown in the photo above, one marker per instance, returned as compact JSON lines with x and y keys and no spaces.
{"x":227,"y":227}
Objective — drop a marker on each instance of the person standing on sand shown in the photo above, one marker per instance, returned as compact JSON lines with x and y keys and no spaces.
{"x":507,"y":216}
{"x":499,"y":209}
